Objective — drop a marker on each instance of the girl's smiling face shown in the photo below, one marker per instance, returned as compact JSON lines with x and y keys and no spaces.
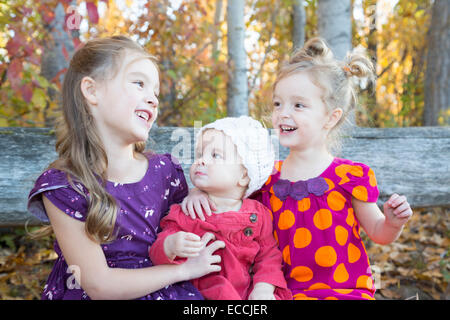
{"x":127,"y":104}
{"x":299,"y":114}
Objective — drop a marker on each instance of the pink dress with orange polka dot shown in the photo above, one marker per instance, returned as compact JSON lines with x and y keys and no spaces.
{"x":318,"y":233}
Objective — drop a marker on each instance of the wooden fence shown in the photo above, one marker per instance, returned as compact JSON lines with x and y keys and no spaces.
{"x":410,"y":161}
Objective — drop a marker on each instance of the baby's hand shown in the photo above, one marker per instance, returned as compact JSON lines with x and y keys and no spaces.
{"x":397,"y":210}
{"x":195,"y":201}
{"x":205,"y":262}
{"x":183,"y":244}
{"x":262,"y":291}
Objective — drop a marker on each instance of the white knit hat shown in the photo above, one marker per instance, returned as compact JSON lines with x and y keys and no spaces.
{"x":253,"y":145}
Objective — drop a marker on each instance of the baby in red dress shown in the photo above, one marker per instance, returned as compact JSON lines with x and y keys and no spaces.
{"x":234,"y":157}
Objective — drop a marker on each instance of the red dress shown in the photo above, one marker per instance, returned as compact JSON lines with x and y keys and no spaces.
{"x":249,"y":241}
{"x":318,"y":233}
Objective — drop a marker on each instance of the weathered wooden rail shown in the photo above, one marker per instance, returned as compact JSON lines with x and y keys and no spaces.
{"x":410,"y":161}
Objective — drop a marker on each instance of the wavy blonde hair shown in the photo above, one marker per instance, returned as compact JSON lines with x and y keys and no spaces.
{"x":81,"y":153}
{"x":335,"y":77}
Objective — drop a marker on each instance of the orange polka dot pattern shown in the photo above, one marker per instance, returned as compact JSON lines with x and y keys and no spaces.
{"x":323,"y":254}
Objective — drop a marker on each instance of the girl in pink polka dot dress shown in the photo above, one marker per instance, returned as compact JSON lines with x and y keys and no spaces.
{"x":319,"y":202}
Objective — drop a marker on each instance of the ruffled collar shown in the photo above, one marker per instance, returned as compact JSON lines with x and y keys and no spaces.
{"x":282,"y":188}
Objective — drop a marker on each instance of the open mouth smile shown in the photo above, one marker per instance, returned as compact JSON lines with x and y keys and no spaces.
{"x":144,"y":115}
{"x":285,"y":129}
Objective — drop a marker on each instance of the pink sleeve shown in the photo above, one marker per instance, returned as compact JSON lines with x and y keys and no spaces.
{"x":268,"y":262}
{"x":359,"y":180}
{"x":170,"y":224}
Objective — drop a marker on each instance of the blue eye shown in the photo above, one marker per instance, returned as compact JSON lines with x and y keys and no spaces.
{"x":139,"y":83}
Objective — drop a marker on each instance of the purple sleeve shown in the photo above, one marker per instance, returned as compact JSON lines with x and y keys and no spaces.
{"x":56,"y":188}
{"x":178,"y":188}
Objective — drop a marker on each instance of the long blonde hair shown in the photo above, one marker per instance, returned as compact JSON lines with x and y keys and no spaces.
{"x":79,"y":146}
{"x":333,"y":76}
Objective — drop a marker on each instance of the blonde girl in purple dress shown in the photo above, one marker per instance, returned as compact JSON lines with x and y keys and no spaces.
{"x":319,"y":201}
{"x":104,"y":196}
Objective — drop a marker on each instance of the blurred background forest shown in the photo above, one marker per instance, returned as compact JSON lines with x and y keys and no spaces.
{"x":192,"y":39}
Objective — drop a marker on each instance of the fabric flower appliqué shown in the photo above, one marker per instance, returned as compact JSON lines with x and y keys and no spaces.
{"x":300,"y":189}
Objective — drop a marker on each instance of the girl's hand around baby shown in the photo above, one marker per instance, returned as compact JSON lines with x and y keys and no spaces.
{"x":262,"y":291}
{"x":194,"y":202}
{"x":205,"y":262}
{"x":397,"y":211}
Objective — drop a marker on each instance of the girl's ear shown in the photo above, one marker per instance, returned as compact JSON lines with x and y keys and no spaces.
{"x":244,"y":180}
{"x":89,"y":90}
{"x":333,"y":118}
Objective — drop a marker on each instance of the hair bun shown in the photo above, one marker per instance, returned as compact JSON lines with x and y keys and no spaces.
{"x":358,"y":65}
{"x":313,"y":48}
{"x":317,"y":47}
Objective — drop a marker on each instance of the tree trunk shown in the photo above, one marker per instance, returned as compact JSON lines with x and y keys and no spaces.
{"x":437,"y":93}
{"x":372,"y":47}
{"x":299,"y":19}
{"x":58,"y":49}
{"x":237,"y":87}
{"x":335,"y":25}
{"x":216,"y":29}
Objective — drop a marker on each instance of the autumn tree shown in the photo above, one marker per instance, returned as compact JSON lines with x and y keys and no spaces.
{"x":58,"y":47}
{"x":437,"y":93}
{"x":401,"y":60}
{"x":190,"y":38}
{"x":38,"y":48}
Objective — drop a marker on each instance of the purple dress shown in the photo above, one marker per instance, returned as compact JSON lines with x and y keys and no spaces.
{"x":141,"y":206}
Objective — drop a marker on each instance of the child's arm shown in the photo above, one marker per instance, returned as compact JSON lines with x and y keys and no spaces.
{"x":383,"y":228}
{"x":101,"y":282}
{"x":177,"y":239}
{"x":194,"y":202}
{"x":177,"y":244}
